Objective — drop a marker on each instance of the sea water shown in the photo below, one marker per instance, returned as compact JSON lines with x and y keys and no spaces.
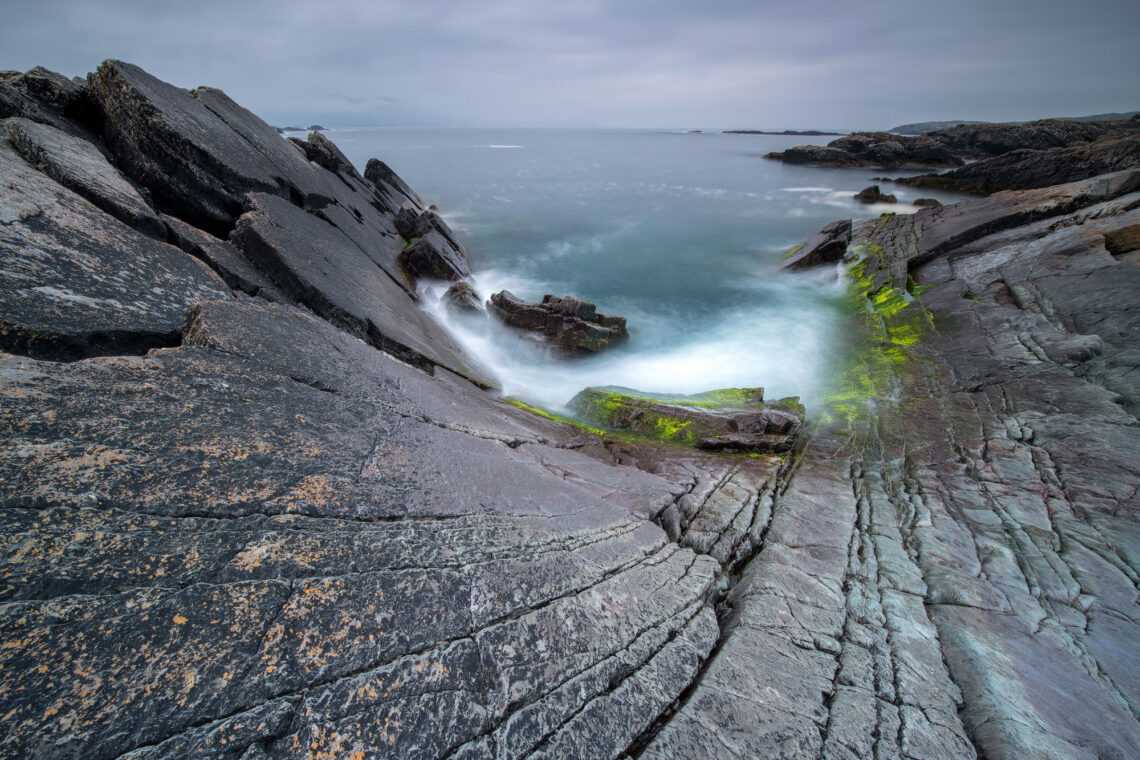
{"x":681,"y":233}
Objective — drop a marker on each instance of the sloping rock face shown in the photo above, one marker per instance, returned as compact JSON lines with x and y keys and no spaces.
{"x":78,"y":282}
{"x":275,"y":515}
{"x":568,"y":323}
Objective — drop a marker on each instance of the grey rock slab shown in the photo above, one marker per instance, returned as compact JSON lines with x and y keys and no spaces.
{"x":79,"y":166}
{"x":77,"y":282}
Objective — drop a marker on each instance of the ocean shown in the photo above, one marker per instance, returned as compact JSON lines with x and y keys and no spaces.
{"x":681,"y":233}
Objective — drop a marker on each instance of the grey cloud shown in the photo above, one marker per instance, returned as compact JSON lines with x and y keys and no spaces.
{"x":725,"y":63}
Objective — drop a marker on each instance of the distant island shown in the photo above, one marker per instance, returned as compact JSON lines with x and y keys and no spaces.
{"x":805,"y":133}
{"x":311,"y":128}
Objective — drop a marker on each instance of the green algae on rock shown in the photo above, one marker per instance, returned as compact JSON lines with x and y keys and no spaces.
{"x":734,"y":419}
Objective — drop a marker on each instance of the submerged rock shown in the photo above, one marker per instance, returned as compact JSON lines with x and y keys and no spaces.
{"x":733,"y":419}
{"x":568,"y":323}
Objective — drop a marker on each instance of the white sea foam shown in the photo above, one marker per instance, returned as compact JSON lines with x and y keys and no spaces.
{"x":786,"y":352}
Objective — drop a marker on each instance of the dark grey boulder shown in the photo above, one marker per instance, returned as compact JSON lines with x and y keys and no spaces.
{"x":199,"y":153}
{"x":394,"y":191}
{"x":223,"y":258}
{"x":48,"y":98}
{"x":323,"y":151}
{"x":434,"y":257}
{"x":872,"y":194}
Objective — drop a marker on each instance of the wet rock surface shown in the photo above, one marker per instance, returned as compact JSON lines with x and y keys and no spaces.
{"x":461,"y":297}
{"x":251,"y":529}
{"x":567,"y":323}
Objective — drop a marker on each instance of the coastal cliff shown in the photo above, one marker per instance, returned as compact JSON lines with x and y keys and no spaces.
{"x":257,"y":504}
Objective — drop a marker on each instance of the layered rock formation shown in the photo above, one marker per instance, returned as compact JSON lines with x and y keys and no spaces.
{"x":1026,"y":168}
{"x":256,"y":504}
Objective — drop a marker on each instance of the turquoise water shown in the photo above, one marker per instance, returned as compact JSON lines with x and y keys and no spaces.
{"x":680,"y":233}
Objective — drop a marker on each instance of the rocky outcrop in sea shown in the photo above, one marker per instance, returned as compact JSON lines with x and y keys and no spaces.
{"x":256,"y":504}
{"x":1003,"y":156}
{"x":566,"y":323}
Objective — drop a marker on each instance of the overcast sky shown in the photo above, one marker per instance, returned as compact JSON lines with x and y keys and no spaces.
{"x":630,"y":63}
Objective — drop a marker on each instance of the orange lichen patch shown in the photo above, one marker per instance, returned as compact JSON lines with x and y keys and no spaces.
{"x":255,"y":553}
{"x":227,"y":447}
{"x":312,"y":491}
{"x":180,"y":619}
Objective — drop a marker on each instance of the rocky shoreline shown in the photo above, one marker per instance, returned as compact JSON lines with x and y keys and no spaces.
{"x":257,"y":504}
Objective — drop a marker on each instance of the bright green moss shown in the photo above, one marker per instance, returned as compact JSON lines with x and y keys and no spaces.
{"x":888,"y":323}
{"x":672,"y":429}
